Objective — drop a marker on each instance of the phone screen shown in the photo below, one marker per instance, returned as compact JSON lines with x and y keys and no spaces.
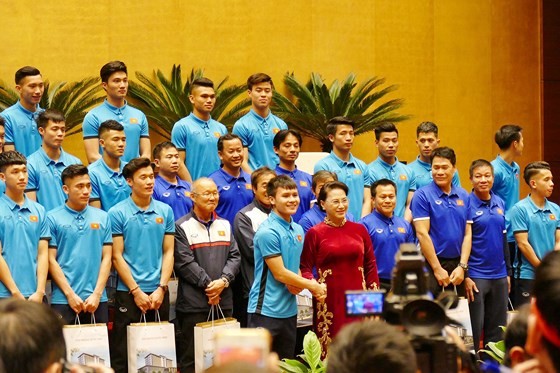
{"x":364,"y":302}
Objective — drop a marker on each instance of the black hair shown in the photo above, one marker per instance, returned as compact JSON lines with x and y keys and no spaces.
{"x":533,"y":169}
{"x":258,"y":173}
{"x":281,"y":136}
{"x":161,"y":146}
{"x":73,"y":171}
{"x":134,"y":165}
{"x":444,"y":152}
{"x":53,"y":115}
{"x":382,"y":182}
{"x":506,"y":135}
{"x":333,"y":123}
{"x":109,"y":125}
{"x":227,"y":137}
{"x":258,"y":78}
{"x":11,"y":158}
{"x":427,"y":127}
{"x":24,"y":72}
{"x":479,"y":163}
{"x":110,"y":68}
{"x":331,"y":185}
{"x":385,"y":127}
{"x":281,"y":181}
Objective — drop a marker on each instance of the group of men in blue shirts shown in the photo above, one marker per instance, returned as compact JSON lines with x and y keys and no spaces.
{"x":110,"y":204}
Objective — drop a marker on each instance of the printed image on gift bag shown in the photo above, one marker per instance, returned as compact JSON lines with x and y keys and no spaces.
{"x":172,"y":287}
{"x":87,"y":344}
{"x":204,"y":340}
{"x":462,"y":315}
{"x":151,"y":347}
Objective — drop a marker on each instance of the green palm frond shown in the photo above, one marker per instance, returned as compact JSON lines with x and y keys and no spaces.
{"x":308,"y":107}
{"x":166,"y":100}
{"x":8,"y":96}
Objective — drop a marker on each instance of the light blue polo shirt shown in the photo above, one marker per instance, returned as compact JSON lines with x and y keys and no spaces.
{"x":133,"y":120}
{"x":387,"y":234}
{"x":108,"y":186}
{"x":303,"y":181}
{"x":353,"y":173}
{"x":506,"y":186}
{"x":275,"y":237}
{"x":487,"y":259}
{"x":21,"y":228}
{"x":399,"y":174}
{"x":2,"y":187}
{"x":314,"y":216}
{"x":78,"y":238}
{"x":541,"y":226}
{"x":178,"y":196}
{"x":143,"y":232}
{"x":422,"y":174}
{"x":44,"y":177}
{"x":448,"y":215}
{"x":199,"y":140}
{"x":235,"y":193}
{"x":21,"y":128}
{"x":257,"y":134}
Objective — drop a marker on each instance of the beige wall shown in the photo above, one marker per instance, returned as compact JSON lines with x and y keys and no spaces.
{"x":468,"y":65}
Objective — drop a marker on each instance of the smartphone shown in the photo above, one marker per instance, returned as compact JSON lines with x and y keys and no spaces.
{"x":251,"y":345}
{"x":364,"y":302}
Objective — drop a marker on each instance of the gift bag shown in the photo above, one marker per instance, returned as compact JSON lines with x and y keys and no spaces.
{"x":151,"y":347}
{"x":204,"y":339}
{"x":87,"y":344}
{"x":462,"y":315}
{"x":511,"y":313}
{"x":172,"y":287}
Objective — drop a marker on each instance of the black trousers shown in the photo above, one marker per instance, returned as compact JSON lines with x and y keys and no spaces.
{"x":69,"y":316}
{"x":523,"y":291}
{"x":449,"y":265}
{"x":283,"y":331}
{"x":187,"y":322}
{"x":127,"y":312}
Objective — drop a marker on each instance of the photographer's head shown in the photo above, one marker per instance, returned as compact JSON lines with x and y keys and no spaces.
{"x":32,"y":339}
{"x":515,"y":338}
{"x":367,"y":345}
{"x":543,"y":335}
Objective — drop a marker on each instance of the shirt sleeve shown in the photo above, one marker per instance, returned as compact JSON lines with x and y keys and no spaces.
{"x":95,"y":188}
{"x":169,"y":221}
{"x":241,"y":130}
{"x":52,"y":228}
{"x":268,"y":243}
{"x":412,"y":178}
{"x":179,"y":136}
{"x":420,"y":206}
{"x":8,"y":128}
{"x":45,"y":230}
{"x":519,"y":221}
{"x":186,"y":266}
{"x":145,"y":131}
{"x":107,"y":234}
{"x":117,"y":224}
{"x":90,"y":127}
{"x":32,"y":178}
{"x":456,"y":182}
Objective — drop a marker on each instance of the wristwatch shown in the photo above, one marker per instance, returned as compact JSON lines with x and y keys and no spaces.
{"x":226,"y":281}
{"x":163,"y":287}
{"x":464,"y":266}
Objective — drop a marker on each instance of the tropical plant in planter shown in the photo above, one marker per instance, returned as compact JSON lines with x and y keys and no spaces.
{"x":311,"y":358}
{"x":166,"y":100}
{"x":308,"y":107}
{"x":74,"y":99}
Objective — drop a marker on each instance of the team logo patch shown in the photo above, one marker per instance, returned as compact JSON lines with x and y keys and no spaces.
{"x":133,"y":121}
{"x":379,"y":230}
{"x":403,"y":177}
{"x":94,"y":225}
{"x":460,"y":202}
{"x":275,"y":130}
{"x":439,"y":201}
{"x":401,"y":230}
{"x":357,"y":172}
{"x":500,"y":211}
{"x":552,"y":217}
{"x":187,"y":193}
{"x":303,"y":183}
{"x":299,"y":238}
{"x":226,"y":187}
{"x":217,"y":135}
{"x":221,"y":233}
{"x":478,"y":213}
{"x":166,"y":194}
{"x":34,"y":218}
{"x":247,"y":186}
{"x":159,"y":220}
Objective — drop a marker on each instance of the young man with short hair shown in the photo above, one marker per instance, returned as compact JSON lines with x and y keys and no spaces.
{"x":169,"y":188}
{"x":21,"y":129}
{"x":245,"y":225}
{"x":108,"y":185}
{"x":233,"y":183}
{"x":206,"y":262}
{"x":24,"y":234}
{"x":143,"y":231}
{"x":258,"y":127}
{"x":440,"y":216}
{"x":277,"y":248}
{"x":387,"y":230}
{"x":114,"y":80}
{"x":287,"y":144}
{"x":46,"y":165}
{"x":427,"y":140}
{"x":387,"y":166}
{"x":535,"y":223}
{"x":79,"y":252}
{"x":196,"y":135}
{"x":350,"y":170}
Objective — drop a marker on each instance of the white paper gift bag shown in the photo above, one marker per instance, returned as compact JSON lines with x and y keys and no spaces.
{"x":462,"y":315}
{"x":87,"y":344}
{"x":172,"y":286}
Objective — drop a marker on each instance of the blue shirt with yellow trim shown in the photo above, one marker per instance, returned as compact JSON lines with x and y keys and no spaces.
{"x":21,"y":128}
{"x":353,"y":173}
{"x":108,"y":186}
{"x":399,"y":174}
{"x":257,"y":134}
{"x":448,"y":216}
{"x":78,"y":238}
{"x":44,"y":177}
{"x":422,"y":173}
{"x":199,"y":140}
{"x":133,"y":120}
{"x":275,"y":237}
{"x":235,"y":193}
{"x":178,"y":195}
{"x":540,"y":224}
{"x":21,"y":229}
{"x":506,"y":186}
{"x":303,"y":182}
{"x":142,"y":232}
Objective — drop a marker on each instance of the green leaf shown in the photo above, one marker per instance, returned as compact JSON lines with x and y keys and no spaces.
{"x":312,"y":350}
{"x":292,"y":366}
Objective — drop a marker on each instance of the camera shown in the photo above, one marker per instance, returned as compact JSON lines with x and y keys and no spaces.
{"x":364,"y":302}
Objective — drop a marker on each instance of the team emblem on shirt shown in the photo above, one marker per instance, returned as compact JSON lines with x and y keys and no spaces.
{"x":221,"y":233}
{"x":187,"y":193}
{"x":275,"y":130}
{"x":166,"y":194}
{"x":226,"y":187}
{"x":460,"y":202}
{"x":34,"y":218}
{"x":217,"y":135}
{"x":379,"y":230}
{"x":402,"y":177}
{"x":94,"y":225}
{"x":479,"y":212}
{"x":133,"y":121}
{"x":303,"y":183}
{"x":401,"y":230}
{"x":552,"y":217}
{"x":299,"y":238}
{"x":357,"y":172}
{"x":247,"y":186}
{"x":439,"y":201}
{"x":500,"y":211}
{"x":159,"y":220}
